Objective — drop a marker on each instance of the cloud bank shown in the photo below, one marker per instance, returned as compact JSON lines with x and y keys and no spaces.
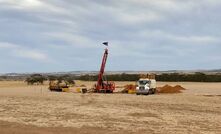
{"x":55,"y":35}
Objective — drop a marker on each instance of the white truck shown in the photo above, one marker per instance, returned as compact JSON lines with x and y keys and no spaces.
{"x":146,"y":86}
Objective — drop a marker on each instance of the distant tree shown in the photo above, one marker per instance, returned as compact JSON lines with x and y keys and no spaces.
{"x":68,"y":79}
{"x":35,"y":79}
{"x":52,"y":77}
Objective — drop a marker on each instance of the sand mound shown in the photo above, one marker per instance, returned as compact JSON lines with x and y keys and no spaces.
{"x":170,"y":89}
{"x":82,"y":85}
{"x":128,"y":87}
{"x":179,"y":87}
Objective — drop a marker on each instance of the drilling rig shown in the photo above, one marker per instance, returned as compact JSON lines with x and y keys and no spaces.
{"x":103,"y":86}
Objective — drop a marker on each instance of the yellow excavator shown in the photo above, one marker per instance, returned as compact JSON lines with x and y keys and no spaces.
{"x":58,"y":86}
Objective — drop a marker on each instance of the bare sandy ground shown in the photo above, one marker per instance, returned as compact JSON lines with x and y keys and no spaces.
{"x":33,"y":109}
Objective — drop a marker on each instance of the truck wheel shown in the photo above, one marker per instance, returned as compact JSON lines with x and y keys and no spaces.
{"x":137,"y":93}
{"x":154,"y":91}
{"x":147,"y":93}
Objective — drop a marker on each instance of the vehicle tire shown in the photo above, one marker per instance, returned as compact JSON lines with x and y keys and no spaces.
{"x":154,"y":91}
{"x":137,"y":93}
{"x":109,"y":91}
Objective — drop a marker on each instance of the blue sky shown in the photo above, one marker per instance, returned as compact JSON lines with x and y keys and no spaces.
{"x":66,"y":35}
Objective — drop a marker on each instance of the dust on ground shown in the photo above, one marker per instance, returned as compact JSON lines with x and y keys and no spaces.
{"x":34,"y":109}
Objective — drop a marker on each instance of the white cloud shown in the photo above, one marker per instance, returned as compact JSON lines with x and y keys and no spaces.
{"x":137,"y":29}
{"x":7,"y":45}
{"x":31,"y":54}
{"x":167,"y":4}
{"x":137,"y":19}
{"x":212,"y":2}
{"x":33,"y":6}
{"x":30,"y":3}
{"x":197,"y":39}
{"x":76,"y":40}
{"x":24,"y":52}
{"x":24,"y":3}
{"x":192,"y":39}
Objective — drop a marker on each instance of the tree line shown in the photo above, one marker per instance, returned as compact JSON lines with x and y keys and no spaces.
{"x":39,"y":79}
{"x":172,"y":77}
{"x":69,"y":78}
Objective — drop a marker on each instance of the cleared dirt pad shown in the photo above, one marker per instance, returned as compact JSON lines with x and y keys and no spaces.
{"x":16,"y":128}
{"x":170,"y":89}
{"x":33,"y":109}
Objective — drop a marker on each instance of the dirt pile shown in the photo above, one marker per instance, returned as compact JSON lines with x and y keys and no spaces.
{"x":179,"y":87}
{"x":170,"y":89}
{"x":129,"y":87}
{"x":82,"y":85}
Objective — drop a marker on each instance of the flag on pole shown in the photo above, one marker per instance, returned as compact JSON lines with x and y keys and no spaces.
{"x":105,"y":43}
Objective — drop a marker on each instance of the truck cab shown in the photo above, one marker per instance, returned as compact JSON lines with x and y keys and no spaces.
{"x":146,"y":86}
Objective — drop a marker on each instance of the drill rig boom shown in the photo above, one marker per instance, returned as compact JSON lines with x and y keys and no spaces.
{"x":104,"y":86}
